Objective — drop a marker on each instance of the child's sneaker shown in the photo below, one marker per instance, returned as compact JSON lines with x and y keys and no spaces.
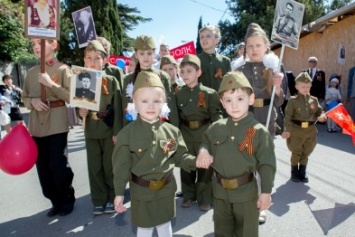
{"x":110,"y":208}
{"x":98,"y":210}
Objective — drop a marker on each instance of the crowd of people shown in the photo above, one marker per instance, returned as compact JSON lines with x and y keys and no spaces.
{"x":205,"y":114}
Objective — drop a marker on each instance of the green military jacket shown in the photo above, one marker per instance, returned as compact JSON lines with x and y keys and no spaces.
{"x":116,"y":72}
{"x":97,"y":129}
{"x":140,"y":149}
{"x":255,"y":73}
{"x":214,"y":67}
{"x":198,"y":103}
{"x":170,"y":97}
{"x":54,"y":120}
{"x":223,"y":140}
{"x":301,"y":108}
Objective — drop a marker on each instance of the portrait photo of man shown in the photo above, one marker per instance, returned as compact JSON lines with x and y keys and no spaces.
{"x":84,"y":26}
{"x":85,"y":90}
{"x":287,"y":22}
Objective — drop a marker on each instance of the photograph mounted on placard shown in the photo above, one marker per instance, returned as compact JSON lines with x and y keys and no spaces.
{"x":84,"y":26}
{"x":42,"y":19}
{"x":85,"y":88}
{"x":287,"y":22}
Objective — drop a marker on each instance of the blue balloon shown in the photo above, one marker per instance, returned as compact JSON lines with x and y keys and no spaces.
{"x":121,"y":63}
{"x":332,"y":104}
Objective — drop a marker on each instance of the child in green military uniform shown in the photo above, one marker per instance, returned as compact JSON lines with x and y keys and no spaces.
{"x":146,"y":153}
{"x":261,"y":78}
{"x":301,"y":113}
{"x":169,"y":65}
{"x":110,"y":69}
{"x":240,"y":146}
{"x":49,"y":127}
{"x":198,"y":107}
{"x":145,"y":51}
{"x":100,"y":130}
{"x":213,"y":65}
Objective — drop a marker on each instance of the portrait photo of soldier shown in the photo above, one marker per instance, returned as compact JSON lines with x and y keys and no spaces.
{"x":85,"y":91}
{"x":287,"y":22}
{"x":84,"y":26}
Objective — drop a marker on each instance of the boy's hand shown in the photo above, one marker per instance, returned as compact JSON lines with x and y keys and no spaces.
{"x":204,"y":159}
{"x":39,"y":105}
{"x":264,"y":201}
{"x":45,"y":80}
{"x":83,"y":112}
{"x":285,"y":135}
{"x":118,"y":202}
{"x":114,"y":140}
{"x":322,"y":118}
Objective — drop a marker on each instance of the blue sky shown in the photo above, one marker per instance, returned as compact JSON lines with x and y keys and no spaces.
{"x":176,"y":21}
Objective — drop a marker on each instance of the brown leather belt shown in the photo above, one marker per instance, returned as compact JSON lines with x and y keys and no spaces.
{"x":55,"y":103}
{"x":155,"y":185}
{"x":259,"y":103}
{"x":303,"y":124}
{"x":195,"y":124}
{"x":98,"y":115}
{"x":234,"y":182}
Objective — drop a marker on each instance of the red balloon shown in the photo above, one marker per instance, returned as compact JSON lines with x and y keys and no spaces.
{"x":18,"y":151}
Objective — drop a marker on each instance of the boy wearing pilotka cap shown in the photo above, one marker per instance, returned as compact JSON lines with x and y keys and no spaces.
{"x":301,"y":113}
{"x":198,"y":107}
{"x":240,"y":146}
{"x":100,"y":130}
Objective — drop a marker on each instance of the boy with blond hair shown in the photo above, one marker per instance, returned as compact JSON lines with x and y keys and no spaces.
{"x":213,"y":65}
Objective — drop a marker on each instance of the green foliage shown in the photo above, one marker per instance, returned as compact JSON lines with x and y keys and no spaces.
{"x":14,"y":47}
{"x":112,"y":21}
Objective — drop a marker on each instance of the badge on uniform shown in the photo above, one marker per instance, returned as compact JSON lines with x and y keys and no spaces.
{"x":201,"y":103}
{"x":169,"y":144}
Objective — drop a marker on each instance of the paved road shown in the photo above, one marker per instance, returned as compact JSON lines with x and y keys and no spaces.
{"x":323,"y":207}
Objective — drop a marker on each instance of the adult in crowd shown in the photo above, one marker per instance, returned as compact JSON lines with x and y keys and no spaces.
{"x":13,"y":94}
{"x":318,"y":80}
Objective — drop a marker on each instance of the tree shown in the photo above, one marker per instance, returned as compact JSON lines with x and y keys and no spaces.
{"x":261,"y":12}
{"x":14,"y":47}
{"x":198,"y":45}
{"x":129,"y":20}
{"x":112,"y":21}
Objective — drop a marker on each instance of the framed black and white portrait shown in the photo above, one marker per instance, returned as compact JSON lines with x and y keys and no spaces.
{"x":84,"y":26}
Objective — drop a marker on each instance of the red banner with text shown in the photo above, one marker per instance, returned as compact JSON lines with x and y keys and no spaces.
{"x":180,"y":51}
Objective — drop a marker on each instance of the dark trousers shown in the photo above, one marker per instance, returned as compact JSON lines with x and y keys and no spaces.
{"x":54,"y":172}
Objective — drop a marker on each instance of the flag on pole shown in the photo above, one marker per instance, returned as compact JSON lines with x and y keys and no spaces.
{"x":343,"y":119}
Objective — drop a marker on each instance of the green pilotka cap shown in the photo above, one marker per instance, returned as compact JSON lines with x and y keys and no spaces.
{"x":147,"y":79}
{"x":190,"y":58}
{"x":167,"y":59}
{"x":144,"y":42}
{"x":303,"y":77}
{"x":95,"y":45}
{"x":234,"y":80}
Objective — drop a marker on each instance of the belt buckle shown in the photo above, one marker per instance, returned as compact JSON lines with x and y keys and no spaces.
{"x":258,"y":103}
{"x":229,"y":183}
{"x":304,"y":125}
{"x":156,"y":185}
{"x":194,"y":124}
{"x":93,"y":115}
